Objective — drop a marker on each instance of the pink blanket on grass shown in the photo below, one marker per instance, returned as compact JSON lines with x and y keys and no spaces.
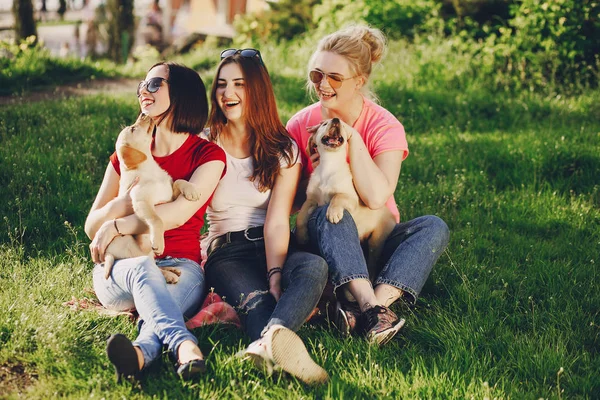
{"x":213,"y":311}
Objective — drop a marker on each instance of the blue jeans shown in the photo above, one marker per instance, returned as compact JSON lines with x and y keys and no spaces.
{"x":238,"y":272}
{"x":408,"y":255}
{"x":138,"y":283}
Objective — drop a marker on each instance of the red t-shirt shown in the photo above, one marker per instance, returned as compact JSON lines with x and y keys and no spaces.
{"x":184,"y":242}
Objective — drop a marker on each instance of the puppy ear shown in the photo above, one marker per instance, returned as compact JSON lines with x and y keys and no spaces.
{"x":313,"y":129}
{"x":132,"y":157}
{"x":311,"y":145}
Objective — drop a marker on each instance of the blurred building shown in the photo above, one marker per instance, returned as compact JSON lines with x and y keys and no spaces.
{"x":210,"y":17}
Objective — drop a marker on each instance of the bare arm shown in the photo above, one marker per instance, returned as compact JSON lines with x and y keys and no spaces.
{"x":375,"y":179}
{"x":108,"y":205}
{"x":277,"y":226}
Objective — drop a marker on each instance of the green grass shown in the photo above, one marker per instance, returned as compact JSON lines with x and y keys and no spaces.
{"x":514,"y":300}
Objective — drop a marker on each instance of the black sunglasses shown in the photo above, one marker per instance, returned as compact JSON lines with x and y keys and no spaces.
{"x":246,"y":53}
{"x":152,"y":85}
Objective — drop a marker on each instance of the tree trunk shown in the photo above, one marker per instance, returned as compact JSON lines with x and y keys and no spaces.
{"x":120,"y":29}
{"x":24,"y":19}
{"x":62,"y":9}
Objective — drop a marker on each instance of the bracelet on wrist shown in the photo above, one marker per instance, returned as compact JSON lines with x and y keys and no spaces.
{"x":272,"y":272}
{"x":116,"y":227}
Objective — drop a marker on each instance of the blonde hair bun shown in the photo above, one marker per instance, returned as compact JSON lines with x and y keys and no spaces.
{"x":376,"y":41}
{"x":373,"y":38}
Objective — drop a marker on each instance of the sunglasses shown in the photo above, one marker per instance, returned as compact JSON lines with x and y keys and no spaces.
{"x":152,"y":85}
{"x":246,"y":53}
{"x":334,"y":80}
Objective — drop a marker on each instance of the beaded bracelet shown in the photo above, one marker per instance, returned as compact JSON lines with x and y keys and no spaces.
{"x":116,"y":228}
{"x":272,"y":272}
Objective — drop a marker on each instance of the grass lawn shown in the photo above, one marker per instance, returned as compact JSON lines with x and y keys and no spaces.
{"x":511,"y":310}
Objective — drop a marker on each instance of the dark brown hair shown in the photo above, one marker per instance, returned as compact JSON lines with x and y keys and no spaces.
{"x":187,"y":95}
{"x":269,"y":139}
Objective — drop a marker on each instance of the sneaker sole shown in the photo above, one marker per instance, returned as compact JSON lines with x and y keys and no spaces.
{"x":341,"y":321}
{"x":122,"y":355}
{"x":291,"y":355}
{"x":383,"y":337}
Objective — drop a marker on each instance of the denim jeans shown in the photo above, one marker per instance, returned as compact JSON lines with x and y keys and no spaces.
{"x":408,"y":255}
{"x":238,"y":272}
{"x":138,"y":283}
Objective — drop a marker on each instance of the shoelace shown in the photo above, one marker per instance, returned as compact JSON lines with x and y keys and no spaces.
{"x":372,"y":315}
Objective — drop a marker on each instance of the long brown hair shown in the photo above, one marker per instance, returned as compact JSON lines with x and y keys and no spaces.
{"x":269,"y":139}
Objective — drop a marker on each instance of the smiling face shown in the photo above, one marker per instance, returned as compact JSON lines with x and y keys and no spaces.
{"x":155,"y":104}
{"x":336,"y":65}
{"x":231,"y":92}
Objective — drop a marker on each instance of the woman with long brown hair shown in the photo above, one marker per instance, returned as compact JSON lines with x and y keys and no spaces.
{"x":250,"y":260}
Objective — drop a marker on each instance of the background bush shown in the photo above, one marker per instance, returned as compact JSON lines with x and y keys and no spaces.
{"x":525,"y":44}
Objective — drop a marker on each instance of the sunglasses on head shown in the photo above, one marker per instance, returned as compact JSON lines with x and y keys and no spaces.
{"x":152,"y":85}
{"x":334,"y":80}
{"x":246,"y":53}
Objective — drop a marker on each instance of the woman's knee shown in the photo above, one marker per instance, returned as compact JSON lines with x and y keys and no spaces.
{"x":438,"y":230}
{"x":145,"y":266}
{"x":306,"y":263}
{"x":320,"y":267}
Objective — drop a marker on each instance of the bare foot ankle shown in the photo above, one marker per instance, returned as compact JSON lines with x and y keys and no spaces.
{"x":140,"y":357}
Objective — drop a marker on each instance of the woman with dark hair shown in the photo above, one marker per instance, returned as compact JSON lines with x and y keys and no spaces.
{"x":251,"y":261}
{"x":174,"y":96}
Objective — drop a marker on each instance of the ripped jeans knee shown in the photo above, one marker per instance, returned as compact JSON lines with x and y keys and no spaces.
{"x":253,"y":299}
{"x":255,"y":310}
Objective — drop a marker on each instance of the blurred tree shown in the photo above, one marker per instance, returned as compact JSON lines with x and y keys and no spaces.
{"x":285,"y":20}
{"x":24,"y":19}
{"x":478,"y":17}
{"x":120,"y":28}
{"x":62,"y":8}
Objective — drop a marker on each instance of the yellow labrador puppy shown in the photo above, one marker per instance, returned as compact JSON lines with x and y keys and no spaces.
{"x":331,"y":182}
{"x":154,"y":185}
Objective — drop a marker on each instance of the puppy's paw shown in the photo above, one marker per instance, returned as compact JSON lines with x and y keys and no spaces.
{"x":171,"y":274}
{"x":190,"y":193}
{"x":188,"y":190}
{"x":335,"y":214}
{"x":158,"y":245}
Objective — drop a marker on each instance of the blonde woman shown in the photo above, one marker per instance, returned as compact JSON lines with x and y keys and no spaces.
{"x":339,"y":72}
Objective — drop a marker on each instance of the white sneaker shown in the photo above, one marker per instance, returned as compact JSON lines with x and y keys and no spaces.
{"x":281,"y":349}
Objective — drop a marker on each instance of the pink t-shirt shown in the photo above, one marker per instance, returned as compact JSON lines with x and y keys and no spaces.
{"x":378,"y":127}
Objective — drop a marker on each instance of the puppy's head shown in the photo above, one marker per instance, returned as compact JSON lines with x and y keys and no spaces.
{"x":330,"y":135}
{"x":133,"y":143}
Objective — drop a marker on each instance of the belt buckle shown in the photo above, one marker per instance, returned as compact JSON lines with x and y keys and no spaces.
{"x":248,"y":238}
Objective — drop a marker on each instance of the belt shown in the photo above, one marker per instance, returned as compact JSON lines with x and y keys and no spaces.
{"x":247,"y":235}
